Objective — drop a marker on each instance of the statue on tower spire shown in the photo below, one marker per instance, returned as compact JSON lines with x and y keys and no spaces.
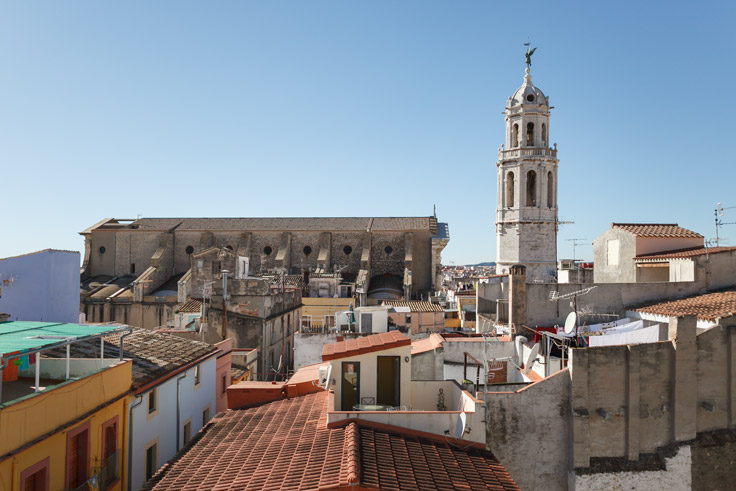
{"x":529,"y":54}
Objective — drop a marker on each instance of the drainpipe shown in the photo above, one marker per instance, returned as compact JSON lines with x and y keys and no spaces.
{"x":130,"y":435}
{"x":130,"y":331}
{"x":178,"y":407}
{"x":3,"y":365}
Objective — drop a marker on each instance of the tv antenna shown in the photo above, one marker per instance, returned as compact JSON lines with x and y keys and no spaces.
{"x":574,"y":245}
{"x":718,"y":212}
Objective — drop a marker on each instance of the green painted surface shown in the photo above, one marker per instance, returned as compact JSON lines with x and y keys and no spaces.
{"x":26,"y":335}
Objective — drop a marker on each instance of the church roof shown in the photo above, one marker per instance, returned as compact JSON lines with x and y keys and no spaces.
{"x":528,"y":93}
{"x":280,"y":224}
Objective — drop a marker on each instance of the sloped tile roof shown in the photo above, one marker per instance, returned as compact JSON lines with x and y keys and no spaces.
{"x":415,"y":305}
{"x":282,"y":223}
{"x":683,"y":253}
{"x":709,"y":307}
{"x":286,"y":445}
{"x":190,"y":306}
{"x":154,"y":354}
{"x":669,"y":230}
{"x":429,"y":343}
{"x":364,"y":344}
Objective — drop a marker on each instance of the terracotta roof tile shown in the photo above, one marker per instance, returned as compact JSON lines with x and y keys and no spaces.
{"x":709,"y":307}
{"x":429,"y":343}
{"x":657,"y":230}
{"x":190,"y":306}
{"x":415,"y":305}
{"x":364,"y":344}
{"x":683,"y":253}
{"x":286,"y":445}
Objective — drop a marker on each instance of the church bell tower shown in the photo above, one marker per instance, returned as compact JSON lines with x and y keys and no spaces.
{"x":526,"y":210}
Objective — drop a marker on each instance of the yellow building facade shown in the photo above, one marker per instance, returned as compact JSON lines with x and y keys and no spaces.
{"x":71,"y":435}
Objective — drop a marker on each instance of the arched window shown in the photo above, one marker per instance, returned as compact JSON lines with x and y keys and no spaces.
{"x":550,"y":190}
{"x":544,"y":135}
{"x":510,"y":190}
{"x":530,"y":134}
{"x":531,"y":188}
{"x":515,"y":136}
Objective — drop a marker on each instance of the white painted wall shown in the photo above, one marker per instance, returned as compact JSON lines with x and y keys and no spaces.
{"x":162,"y":424}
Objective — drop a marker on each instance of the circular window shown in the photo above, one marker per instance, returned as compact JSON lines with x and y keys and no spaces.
{"x":189,"y":249}
{"x":530,"y":98}
{"x":102,"y":249}
{"x":388,"y":249}
{"x":267,"y":250}
{"x":307,"y":250}
{"x":347,"y":250}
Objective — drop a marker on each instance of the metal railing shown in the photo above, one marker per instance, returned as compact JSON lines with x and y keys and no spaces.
{"x":527,"y":152}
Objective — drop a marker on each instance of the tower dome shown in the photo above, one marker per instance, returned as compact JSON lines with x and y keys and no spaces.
{"x":528,"y":93}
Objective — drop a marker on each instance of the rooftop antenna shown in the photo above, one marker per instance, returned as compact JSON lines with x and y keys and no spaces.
{"x":718,"y":212}
{"x":574,"y":244}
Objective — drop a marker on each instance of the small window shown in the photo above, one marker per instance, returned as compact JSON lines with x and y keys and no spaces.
{"x":205,"y":416}
{"x":187,"y":432}
{"x":132,"y":268}
{"x":224,"y":384}
{"x":347,"y":250}
{"x":388,"y":249}
{"x":36,"y":476}
{"x":307,"y":250}
{"x":102,"y":249}
{"x":189,"y":249}
{"x":267,"y":250}
{"x":197,"y":375}
{"x":151,"y":460}
{"x":152,"y":401}
{"x":408,"y":318}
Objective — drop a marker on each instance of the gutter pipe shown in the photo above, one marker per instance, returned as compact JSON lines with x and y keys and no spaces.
{"x":130,"y":436}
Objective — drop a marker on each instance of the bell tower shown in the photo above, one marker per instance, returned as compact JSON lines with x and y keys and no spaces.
{"x":526,"y":210}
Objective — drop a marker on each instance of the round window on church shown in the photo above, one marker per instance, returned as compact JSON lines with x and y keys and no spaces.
{"x":189,"y":249}
{"x":267,"y":250}
{"x":102,"y":249}
{"x":388,"y":249}
{"x":347,"y":250}
{"x":307,"y":250}
{"x":530,"y":98}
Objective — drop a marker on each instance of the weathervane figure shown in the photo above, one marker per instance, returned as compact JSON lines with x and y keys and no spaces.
{"x":528,"y":55}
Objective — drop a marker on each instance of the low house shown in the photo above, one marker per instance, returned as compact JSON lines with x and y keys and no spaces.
{"x":176,"y":385}
{"x":416,"y":317}
{"x":616,"y":250}
{"x":62,"y":421}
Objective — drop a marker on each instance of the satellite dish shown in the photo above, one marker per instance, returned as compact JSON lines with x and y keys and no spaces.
{"x":462,"y":424}
{"x":532,"y":359}
{"x":572,"y":318}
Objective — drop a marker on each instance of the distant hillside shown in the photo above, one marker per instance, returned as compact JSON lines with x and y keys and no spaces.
{"x":488,"y":263}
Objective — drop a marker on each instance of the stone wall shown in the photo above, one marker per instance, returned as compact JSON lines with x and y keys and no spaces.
{"x":528,"y":430}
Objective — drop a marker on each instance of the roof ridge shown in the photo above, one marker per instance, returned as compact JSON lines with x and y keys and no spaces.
{"x":352,"y":453}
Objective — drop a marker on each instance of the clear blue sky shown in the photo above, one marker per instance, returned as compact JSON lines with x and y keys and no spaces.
{"x":346,"y":108}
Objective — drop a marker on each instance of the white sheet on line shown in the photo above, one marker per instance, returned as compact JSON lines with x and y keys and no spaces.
{"x":638,"y":336}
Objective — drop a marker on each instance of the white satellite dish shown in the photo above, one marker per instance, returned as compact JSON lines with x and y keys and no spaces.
{"x":462,"y":423}
{"x":572,"y":318}
{"x":532,"y":359}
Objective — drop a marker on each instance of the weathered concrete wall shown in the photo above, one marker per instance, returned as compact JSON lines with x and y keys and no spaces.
{"x":528,"y":430}
{"x":676,"y":475}
{"x":624,"y":269}
{"x":427,"y":365}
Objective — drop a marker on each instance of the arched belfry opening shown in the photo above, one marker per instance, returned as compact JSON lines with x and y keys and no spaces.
{"x":515,"y":136}
{"x":531,"y":188}
{"x":530,"y":134}
{"x":510,"y":190}
{"x":550,"y":190}
{"x":544,"y":135}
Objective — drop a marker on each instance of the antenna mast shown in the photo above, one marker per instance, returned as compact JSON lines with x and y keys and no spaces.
{"x":574,"y":245}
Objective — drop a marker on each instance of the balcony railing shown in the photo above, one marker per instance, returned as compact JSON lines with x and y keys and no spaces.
{"x":527,"y":152}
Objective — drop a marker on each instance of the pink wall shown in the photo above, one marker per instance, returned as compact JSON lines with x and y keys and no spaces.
{"x":224,"y":360}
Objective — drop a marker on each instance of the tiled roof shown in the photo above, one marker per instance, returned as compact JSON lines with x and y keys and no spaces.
{"x":415,"y":306}
{"x":364,"y":344}
{"x":429,"y":343}
{"x":709,"y":307}
{"x":153,"y":354}
{"x":286,"y":445}
{"x":190,"y":306}
{"x":683,"y":253}
{"x":657,"y":230}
